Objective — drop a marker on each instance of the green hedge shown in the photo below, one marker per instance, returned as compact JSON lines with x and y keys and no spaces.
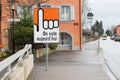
{"x":52,"y":46}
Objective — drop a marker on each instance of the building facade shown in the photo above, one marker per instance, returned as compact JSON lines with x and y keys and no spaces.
{"x":70,"y":20}
{"x":118,"y":30}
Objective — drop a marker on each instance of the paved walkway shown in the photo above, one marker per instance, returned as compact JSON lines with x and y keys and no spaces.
{"x":71,"y":65}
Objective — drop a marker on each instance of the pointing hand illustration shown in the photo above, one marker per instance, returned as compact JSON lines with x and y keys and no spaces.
{"x":45,"y":24}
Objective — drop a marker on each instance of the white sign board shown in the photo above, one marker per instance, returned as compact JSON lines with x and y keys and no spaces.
{"x":46,"y":30}
{"x":15,"y":20}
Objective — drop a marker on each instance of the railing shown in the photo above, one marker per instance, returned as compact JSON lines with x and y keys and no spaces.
{"x":8,"y":65}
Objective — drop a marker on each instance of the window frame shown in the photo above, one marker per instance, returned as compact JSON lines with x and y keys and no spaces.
{"x":65,"y":39}
{"x":20,"y":11}
{"x":46,"y":6}
{"x":72,"y":13}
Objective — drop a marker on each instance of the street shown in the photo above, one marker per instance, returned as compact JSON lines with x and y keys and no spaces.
{"x":111,"y":53}
{"x":71,"y":65}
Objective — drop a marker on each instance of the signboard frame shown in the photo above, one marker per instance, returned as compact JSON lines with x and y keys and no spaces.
{"x":46,"y":27}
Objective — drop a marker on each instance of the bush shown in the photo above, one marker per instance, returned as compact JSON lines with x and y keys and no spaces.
{"x":3,"y":54}
{"x":38,"y":45}
{"x":52,"y":46}
{"x":8,"y":52}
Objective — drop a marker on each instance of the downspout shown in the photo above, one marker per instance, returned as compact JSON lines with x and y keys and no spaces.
{"x":80,"y":24}
{"x":0,"y":21}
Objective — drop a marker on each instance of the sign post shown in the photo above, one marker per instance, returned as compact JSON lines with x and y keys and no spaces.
{"x":46,"y":27}
{"x":46,"y":56}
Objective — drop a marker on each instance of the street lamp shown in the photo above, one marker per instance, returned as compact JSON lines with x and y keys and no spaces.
{"x":90,"y":17}
{"x":12,"y":26}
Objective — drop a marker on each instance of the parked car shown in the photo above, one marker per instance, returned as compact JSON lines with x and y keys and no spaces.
{"x":117,"y":38}
{"x":112,"y":37}
{"x":104,"y":37}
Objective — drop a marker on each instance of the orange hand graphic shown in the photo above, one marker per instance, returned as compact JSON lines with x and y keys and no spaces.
{"x":45,"y":23}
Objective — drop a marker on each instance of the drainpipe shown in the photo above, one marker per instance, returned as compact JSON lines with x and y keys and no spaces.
{"x":80,"y":24}
{"x":0,"y":21}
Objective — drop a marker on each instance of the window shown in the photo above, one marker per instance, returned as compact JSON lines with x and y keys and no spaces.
{"x":46,"y":6}
{"x":24,"y":11}
{"x":65,"y":39}
{"x":43,"y":6}
{"x":67,"y":13}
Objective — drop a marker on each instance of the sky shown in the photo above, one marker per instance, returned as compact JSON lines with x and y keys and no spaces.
{"x":108,"y":11}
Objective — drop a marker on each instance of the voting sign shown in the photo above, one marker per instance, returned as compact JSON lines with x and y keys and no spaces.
{"x":46,"y":25}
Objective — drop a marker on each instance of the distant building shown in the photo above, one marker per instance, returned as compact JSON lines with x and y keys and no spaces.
{"x":70,"y":21}
{"x":118,"y":30}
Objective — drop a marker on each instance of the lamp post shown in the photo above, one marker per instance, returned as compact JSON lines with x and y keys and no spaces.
{"x":12,"y":27}
{"x":90,"y":17}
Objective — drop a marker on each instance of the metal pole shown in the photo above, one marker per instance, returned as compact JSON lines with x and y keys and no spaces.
{"x":99,"y":46}
{"x":90,"y":23}
{"x":46,"y":56}
{"x":12,"y":32}
{"x":0,"y":21}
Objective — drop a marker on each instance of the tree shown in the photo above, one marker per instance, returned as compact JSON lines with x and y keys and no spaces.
{"x":114,"y":31}
{"x":23,"y":31}
{"x":98,"y":27}
{"x":23,"y":35}
{"x":85,"y":10}
{"x":108,"y":32}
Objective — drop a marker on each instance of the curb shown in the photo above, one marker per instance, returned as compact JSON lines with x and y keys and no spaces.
{"x":106,"y":66}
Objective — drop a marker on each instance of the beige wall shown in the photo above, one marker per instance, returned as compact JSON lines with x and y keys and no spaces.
{"x":22,"y":72}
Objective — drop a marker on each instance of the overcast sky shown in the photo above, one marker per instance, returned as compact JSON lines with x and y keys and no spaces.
{"x":106,"y":10}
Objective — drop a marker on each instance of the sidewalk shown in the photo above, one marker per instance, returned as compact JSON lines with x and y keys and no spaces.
{"x":71,"y":65}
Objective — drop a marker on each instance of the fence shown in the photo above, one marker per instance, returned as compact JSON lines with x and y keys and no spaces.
{"x":19,"y":60}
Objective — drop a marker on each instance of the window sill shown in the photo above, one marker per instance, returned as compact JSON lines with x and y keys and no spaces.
{"x":66,"y":20}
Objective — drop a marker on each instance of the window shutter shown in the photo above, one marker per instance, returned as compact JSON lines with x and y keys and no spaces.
{"x":72,"y":12}
{"x":59,"y":12}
